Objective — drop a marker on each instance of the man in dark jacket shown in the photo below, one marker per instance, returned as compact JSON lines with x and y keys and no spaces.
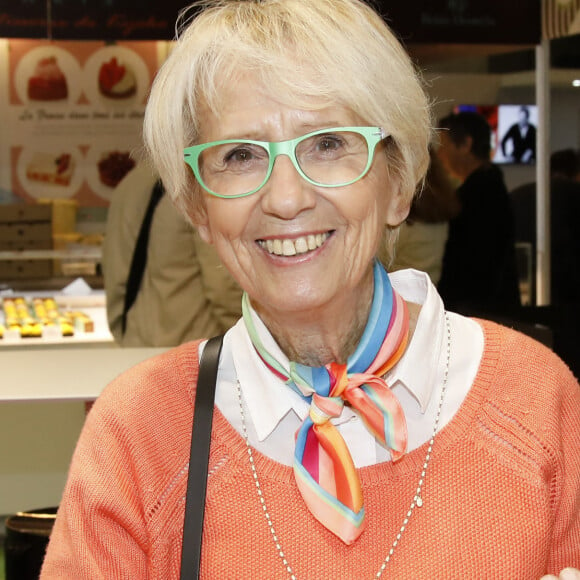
{"x":521,"y":137}
{"x":479,"y":266}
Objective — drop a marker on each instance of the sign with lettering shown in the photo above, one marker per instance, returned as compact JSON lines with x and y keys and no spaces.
{"x":90,"y":19}
{"x":464,"y":21}
{"x":417,"y":21}
{"x":24,"y":19}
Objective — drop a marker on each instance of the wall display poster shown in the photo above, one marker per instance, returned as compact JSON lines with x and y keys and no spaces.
{"x":74,"y":116}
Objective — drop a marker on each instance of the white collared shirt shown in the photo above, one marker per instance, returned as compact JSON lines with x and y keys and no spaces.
{"x":273,"y":411}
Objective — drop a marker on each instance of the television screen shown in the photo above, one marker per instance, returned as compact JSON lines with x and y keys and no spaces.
{"x":513,"y":131}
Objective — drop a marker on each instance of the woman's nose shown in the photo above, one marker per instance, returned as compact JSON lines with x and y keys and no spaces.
{"x":286,"y":193}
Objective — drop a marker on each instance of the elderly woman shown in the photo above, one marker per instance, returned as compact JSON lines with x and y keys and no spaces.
{"x":359,"y":430}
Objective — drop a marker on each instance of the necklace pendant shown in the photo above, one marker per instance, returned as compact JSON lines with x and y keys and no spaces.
{"x":419,"y":501}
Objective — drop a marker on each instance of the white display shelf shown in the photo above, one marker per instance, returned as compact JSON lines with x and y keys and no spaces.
{"x":80,"y":374}
{"x":88,"y":254}
{"x":65,"y":368}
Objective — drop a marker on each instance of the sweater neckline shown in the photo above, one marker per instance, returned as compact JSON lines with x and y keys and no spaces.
{"x":455,"y":429}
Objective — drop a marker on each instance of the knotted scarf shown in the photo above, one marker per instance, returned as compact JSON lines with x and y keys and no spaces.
{"x":323,"y":467}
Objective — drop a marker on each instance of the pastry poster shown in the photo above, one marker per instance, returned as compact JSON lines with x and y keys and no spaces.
{"x":75,"y":116}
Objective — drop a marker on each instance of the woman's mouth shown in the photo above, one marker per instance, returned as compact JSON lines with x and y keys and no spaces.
{"x":292,"y":247}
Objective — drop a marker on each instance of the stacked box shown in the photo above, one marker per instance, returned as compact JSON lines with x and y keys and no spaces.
{"x":25,"y":227}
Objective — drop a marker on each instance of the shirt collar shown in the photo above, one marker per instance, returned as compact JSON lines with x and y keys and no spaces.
{"x":422,"y":366}
{"x":267,"y":397}
{"x":269,"y":400}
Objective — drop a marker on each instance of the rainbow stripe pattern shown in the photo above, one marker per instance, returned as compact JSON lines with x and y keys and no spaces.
{"x":323,"y":467}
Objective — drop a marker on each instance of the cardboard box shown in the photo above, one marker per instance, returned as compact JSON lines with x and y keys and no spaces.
{"x":64,"y":215}
{"x":25,"y":269}
{"x":20,"y":245}
{"x":24,"y":212}
{"x":26,"y":232}
{"x":25,"y":227}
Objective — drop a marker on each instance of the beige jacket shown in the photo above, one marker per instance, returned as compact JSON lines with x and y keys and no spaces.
{"x":185,"y":294}
{"x":421,"y":246}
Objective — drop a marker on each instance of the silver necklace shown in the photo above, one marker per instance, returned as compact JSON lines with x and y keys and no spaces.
{"x":417,"y":501}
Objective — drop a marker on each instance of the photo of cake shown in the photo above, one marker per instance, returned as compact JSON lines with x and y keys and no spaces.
{"x":51,"y":169}
{"x":113,"y":166}
{"x":116,"y":77}
{"x":117,"y":80}
{"x":47,"y":82}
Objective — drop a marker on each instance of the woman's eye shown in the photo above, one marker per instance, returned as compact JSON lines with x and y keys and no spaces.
{"x":244,"y":155}
{"x":329,"y":143}
{"x":239,"y":155}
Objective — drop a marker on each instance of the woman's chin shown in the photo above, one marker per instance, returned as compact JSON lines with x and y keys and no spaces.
{"x":288,"y":300}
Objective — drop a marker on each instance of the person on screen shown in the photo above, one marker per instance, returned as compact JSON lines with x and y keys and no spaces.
{"x":519,"y":143}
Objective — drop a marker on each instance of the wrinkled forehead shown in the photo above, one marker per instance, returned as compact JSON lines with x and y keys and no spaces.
{"x":247,"y":108}
{"x":289,"y":83}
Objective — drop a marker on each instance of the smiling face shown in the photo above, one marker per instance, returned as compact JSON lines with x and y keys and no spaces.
{"x":296,"y":248}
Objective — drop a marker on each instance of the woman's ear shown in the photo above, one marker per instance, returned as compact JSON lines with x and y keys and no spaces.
{"x":398,"y":209}
{"x":201,"y":223}
{"x":197,"y":214}
{"x":205,"y":233}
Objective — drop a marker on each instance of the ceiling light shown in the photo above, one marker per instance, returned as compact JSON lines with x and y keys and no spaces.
{"x":576,"y":83}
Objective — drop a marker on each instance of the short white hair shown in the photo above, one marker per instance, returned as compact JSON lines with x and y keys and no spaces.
{"x":337,"y":51}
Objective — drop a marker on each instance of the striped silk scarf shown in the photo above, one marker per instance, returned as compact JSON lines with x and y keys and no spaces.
{"x":323,"y":467}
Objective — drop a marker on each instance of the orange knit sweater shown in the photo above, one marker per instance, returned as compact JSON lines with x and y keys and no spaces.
{"x":501,"y":496}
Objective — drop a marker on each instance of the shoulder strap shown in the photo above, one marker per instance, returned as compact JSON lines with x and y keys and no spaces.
{"x":139,"y":259}
{"x":199,"y":459}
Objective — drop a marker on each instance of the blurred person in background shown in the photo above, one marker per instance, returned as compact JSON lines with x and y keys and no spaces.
{"x":564,"y":230}
{"x":479,"y":273}
{"x":184,"y":292}
{"x":423,"y":235}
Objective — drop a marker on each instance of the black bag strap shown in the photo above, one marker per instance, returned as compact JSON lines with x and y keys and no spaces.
{"x":139,"y":259}
{"x":199,"y":459}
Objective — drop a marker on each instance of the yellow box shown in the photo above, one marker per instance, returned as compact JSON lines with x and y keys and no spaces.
{"x":64,"y":214}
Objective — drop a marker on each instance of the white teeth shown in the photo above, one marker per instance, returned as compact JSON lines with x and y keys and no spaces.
{"x":287,"y":247}
{"x":301,"y":245}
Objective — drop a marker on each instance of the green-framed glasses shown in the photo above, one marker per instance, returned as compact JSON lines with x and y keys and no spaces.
{"x":327,"y":158}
